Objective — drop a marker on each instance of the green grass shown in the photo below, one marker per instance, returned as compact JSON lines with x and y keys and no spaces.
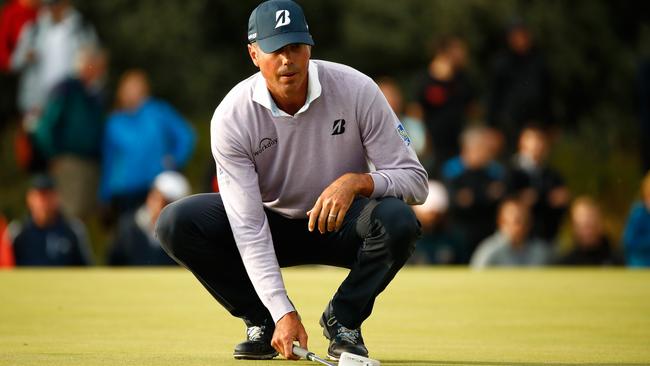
{"x":426,"y":317}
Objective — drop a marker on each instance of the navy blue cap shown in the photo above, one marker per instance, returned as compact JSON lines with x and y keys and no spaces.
{"x":42,"y":182}
{"x":277,"y":23}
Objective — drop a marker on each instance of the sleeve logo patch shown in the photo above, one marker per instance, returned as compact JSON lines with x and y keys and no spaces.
{"x":403,"y":134}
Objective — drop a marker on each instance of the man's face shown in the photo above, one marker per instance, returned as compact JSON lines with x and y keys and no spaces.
{"x":587,"y":225}
{"x":284,"y":70}
{"x":476,"y":151}
{"x":533,"y":145}
{"x":513,"y":221}
{"x":43,"y":206}
{"x":93,"y":69}
{"x":519,"y":40}
{"x":59,"y":9}
{"x":132,"y":91}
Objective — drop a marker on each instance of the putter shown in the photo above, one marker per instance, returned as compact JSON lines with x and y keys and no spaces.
{"x":347,"y":359}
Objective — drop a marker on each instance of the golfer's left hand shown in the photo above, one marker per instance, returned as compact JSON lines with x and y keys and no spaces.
{"x":332,"y":205}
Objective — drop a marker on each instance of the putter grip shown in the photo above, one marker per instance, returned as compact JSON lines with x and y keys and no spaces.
{"x":301,"y":352}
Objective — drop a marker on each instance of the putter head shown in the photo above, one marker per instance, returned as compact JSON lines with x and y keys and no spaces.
{"x":350,"y":359}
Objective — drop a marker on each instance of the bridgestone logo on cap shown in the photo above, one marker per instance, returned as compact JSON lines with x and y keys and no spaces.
{"x":252,"y":36}
{"x":282,"y":18}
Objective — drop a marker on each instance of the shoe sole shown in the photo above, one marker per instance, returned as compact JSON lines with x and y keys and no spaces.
{"x":332,"y":358}
{"x":248,"y":356}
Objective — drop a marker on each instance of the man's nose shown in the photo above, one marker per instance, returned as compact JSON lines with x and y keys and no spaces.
{"x":285,"y":56}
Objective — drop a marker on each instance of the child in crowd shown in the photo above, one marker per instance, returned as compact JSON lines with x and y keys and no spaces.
{"x":511,"y":245}
{"x":591,"y":245}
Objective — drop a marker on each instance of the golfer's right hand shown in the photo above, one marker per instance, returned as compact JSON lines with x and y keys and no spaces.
{"x":287,"y":330}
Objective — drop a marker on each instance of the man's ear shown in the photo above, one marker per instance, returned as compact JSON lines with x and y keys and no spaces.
{"x":253,"y":52}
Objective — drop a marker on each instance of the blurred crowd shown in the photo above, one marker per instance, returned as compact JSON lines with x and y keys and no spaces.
{"x":494,"y":198}
{"x":119,"y":164}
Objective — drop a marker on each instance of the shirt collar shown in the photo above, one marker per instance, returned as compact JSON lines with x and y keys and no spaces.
{"x":262,"y":96}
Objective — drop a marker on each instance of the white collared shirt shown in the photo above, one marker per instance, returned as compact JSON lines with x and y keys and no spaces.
{"x":262,"y":95}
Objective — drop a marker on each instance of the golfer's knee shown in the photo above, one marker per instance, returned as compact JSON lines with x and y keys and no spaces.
{"x":402,"y":228}
{"x":170,"y":227}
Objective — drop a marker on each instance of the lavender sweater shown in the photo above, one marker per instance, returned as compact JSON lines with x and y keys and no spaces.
{"x":267,"y":158}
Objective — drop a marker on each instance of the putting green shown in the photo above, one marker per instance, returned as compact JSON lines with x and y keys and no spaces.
{"x":426,"y":317}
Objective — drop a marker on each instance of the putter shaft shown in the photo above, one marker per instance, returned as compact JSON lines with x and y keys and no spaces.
{"x":301,"y":352}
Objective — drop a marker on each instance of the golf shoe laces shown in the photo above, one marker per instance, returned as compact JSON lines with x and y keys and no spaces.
{"x":348,"y":335}
{"x":255,"y":333}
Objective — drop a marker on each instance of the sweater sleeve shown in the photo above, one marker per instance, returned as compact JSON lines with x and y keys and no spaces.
{"x":238,"y":184}
{"x":398,"y":171}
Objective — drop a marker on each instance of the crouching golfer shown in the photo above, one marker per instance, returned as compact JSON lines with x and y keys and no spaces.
{"x":292,"y":145}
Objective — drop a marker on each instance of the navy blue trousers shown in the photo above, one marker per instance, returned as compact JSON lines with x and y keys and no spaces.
{"x":376,"y":239}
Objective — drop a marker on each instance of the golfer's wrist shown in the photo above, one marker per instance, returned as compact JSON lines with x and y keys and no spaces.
{"x":292,"y":315}
{"x":364,"y":185}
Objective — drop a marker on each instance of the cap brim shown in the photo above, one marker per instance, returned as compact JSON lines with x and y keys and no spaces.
{"x":274,"y":43}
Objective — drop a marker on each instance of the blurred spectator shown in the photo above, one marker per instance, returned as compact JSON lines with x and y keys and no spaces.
{"x":537,"y":185}
{"x":411,"y":121}
{"x":46,"y":51}
{"x":519,"y":90}
{"x":438,"y":244}
{"x":14,"y":14}
{"x":475,"y":182}
{"x":644,"y":113}
{"x":144,"y":137}
{"x":6,"y":251}
{"x":495,"y":142}
{"x":69,"y":134}
{"x":44,"y":56}
{"x":134,"y":243}
{"x":511,"y":244}
{"x":445,"y":95}
{"x":46,"y":237}
{"x":591,"y":246}
{"x":636,"y":237}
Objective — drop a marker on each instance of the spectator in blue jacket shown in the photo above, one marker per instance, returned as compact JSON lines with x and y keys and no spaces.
{"x":636,"y":237}
{"x":144,"y":137}
{"x":46,"y":237}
